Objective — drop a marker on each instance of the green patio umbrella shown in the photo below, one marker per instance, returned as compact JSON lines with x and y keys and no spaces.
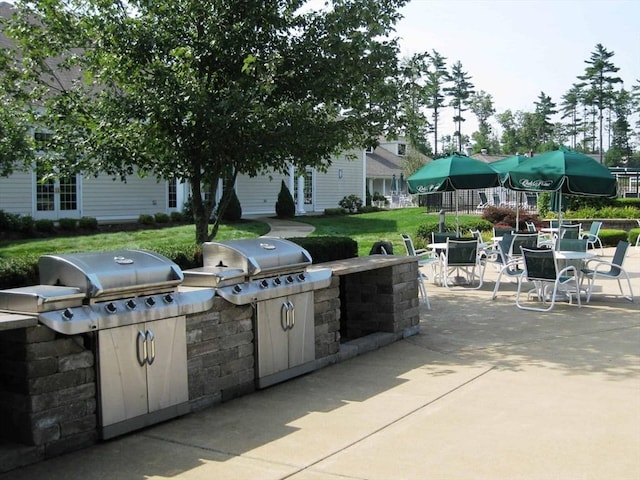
{"x":455,"y":172}
{"x":565,"y":172}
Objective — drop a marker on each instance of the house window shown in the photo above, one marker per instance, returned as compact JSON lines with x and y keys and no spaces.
{"x":308,"y":187}
{"x":45,"y":195}
{"x":402,"y":149}
{"x":64,"y":188}
{"x":172,"y":193}
{"x":68,"y":193}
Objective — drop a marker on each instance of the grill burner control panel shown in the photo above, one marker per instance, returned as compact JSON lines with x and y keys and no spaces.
{"x":273,"y":287}
{"x":126,"y":311}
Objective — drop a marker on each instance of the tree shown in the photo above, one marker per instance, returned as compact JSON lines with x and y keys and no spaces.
{"x":459,"y":92}
{"x":569,"y":109}
{"x":437,"y":78}
{"x":620,"y":152}
{"x":599,"y":82}
{"x":481,"y":104}
{"x":205,"y":90}
{"x":16,"y":145}
{"x":545,"y":108}
{"x":413,"y":119}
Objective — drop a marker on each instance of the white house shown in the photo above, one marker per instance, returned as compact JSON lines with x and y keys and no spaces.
{"x":111,"y":200}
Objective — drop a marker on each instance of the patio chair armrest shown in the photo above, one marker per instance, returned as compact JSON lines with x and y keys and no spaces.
{"x":566,"y":270}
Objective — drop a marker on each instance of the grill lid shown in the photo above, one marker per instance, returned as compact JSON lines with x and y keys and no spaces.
{"x":114,"y":272}
{"x":256,"y":256}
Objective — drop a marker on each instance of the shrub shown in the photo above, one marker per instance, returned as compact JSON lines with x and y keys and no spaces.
{"x":369,"y":209}
{"x":24,"y":224}
{"x":18,"y":271}
{"x":8,"y":221}
{"x":161,"y":217}
{"x":177,"y":217}
{"x":326,"y":249}
{"x":351,"y":203}
{"x":285,"y":206}
{"x":611,"y":237}
{"x":88,"y":223}
{"x":67,"y":224}
{"x":634,"y":233}
{"x":335,"y":211}
{"x":145,"y":219}
{"x":233,"y":212}
{"x":45,"y":225}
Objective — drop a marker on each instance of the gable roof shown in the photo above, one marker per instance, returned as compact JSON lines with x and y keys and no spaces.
{"x":381,"y":163}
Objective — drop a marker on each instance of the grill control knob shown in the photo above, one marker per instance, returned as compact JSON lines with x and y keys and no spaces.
{"x":67,"y":314}
{"x":131,"y":304}
{"x":289,"y":279}
{"x":263,"y":283}
{"x":168,"y":298}
{"x":237,"y":289}
{"x":150,"y":301}
{"x":277,"y":281}
{"x":302,"y":277}
{"x":111,"y":307}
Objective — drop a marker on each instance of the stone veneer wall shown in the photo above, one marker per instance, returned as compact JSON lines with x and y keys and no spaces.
{"x":221,"y":351}
{"x":47,"y":390}
{"x":380,"y":300}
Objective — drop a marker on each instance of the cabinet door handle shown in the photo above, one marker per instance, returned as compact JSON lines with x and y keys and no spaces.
{"x":141,"y":348}
{"x":292,"y":315}
{"x":151,"y":355}
{"x":284,"y":316}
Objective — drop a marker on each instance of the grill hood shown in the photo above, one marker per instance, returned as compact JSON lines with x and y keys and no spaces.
{"x":256,"y":257}
{"x":116,"y":272}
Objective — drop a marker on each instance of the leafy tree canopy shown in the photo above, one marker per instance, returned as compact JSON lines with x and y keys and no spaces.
{"x":208,"y":89}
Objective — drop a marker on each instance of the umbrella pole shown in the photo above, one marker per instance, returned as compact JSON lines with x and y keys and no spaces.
{"x":518,"y":198}
{"x":457,"y":221}
{"x":559,"y":222}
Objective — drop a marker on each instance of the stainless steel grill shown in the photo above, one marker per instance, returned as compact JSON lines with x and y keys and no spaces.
{"x":253,"y":270}
{"x":270,"y":274}
{"x":131,"y":303}
{"x":90,"y":291}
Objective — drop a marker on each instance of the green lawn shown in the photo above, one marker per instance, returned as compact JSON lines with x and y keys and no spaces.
{"x":366,"y":229}
{"x":150,"y":239}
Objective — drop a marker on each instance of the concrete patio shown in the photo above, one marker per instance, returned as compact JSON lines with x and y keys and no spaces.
{"x":484,"y":391}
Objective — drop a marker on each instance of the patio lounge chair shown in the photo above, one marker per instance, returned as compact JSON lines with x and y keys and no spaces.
{"x":541,"y":268}
{"x":426,"y":258}
{"x":570,"y":231}
{"x":484,"y":201}
{"x":510,"y":248}
{"x":597,"y":267}
{"x":592,"y":236}
{"x":461,"y":255}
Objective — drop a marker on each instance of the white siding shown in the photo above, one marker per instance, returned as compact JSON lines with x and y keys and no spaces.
{"x":258,"y":195}
{"x":16,"y":193}
{"x":107,"y":199}
{"x":330,"y":188}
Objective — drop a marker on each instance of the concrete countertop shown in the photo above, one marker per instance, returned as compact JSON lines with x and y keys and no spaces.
{"x":12,"y":321}
{"x":363,"y":264}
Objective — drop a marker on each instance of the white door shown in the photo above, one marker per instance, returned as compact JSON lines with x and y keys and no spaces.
{"x":57,"y":198}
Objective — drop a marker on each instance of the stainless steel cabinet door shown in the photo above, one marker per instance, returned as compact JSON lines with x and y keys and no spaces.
{"x":143,"y":368}
{"x":285,"y":333}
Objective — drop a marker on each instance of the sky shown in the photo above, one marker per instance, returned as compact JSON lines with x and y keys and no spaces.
{"x":515,"y":49}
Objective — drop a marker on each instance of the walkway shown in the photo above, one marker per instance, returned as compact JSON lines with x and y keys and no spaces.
{"x":281,"y":228}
